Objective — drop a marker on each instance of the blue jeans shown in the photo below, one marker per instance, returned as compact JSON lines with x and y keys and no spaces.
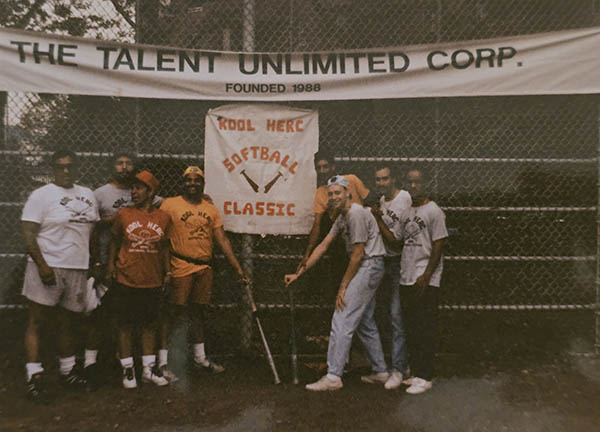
{"x":357,"y":315}
{"x":399,"y":353}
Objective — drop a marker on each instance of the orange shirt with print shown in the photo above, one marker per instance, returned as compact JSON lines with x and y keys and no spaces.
{"x":143,"y":236}
{"x":192,"y":232}
{"x":357,"y":190}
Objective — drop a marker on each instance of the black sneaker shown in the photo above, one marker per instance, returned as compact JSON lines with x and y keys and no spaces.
{"x":73,"y":380}
{"x":208,"y":367}
{"x":35,"y":388}
{"x":92,"y":377}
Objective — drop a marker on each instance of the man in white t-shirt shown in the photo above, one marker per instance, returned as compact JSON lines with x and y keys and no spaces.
{"x":355,"y":301}
{"x":424,"y":233}
{"x":57,"y":222}
{"x":392,"y":203}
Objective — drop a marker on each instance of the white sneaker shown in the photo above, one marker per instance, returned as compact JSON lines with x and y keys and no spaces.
{"x":376,"y":378}
{"x":168,"y":374}
{"x":325,"y":384}
{"x":154,"y":375}
{"x":408,"y":381}
{"x":419,"y":385}
{"x":394,"y":381}
{"x":129,"y":381}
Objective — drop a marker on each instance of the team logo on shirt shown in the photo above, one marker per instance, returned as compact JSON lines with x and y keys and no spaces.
{"x":412,"y":228}
{"x":144,"y":238}
{"x":80,"y":209}
{"x":121,"y":202}
{"x":198,"y":225}
{"x":389,"y":217}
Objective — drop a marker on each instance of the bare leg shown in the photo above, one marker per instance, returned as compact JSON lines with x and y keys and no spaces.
{"x":197,"y":321}
{"x":37,"y":316}
{"x":148,"y":339}
{"x":66,"y":318}
{"x":125,"y":341}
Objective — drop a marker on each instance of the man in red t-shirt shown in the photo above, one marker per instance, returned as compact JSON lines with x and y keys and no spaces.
{"x":139,"y":265}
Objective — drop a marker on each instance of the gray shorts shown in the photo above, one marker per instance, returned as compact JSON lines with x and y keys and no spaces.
{"x":69,"y":291}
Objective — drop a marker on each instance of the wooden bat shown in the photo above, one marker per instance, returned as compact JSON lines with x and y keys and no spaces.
{"x":272,"y":182}
{"x":262,"y":334}
{"x":251,"y":182}
{"x":293,"y":337}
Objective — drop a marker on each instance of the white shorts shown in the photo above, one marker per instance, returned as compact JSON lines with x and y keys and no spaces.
{"x":69,"y":291}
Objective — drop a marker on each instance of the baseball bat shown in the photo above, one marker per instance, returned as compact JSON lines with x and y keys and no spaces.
{"x":272,"y":182}
{"x":262,"y":335}
{"x":293,"y":337}
{"x":251,"y":182}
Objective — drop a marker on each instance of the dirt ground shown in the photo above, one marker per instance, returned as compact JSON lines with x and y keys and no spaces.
{"x":511,"y":388}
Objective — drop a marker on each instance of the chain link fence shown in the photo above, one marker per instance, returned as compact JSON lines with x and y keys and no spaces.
{"x":517,"y":176}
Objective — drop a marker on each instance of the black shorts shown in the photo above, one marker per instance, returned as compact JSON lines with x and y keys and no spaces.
{"x":136,"y":306}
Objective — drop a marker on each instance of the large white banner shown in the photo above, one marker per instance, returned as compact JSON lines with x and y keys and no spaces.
{"x":259,"y":167}
{"x":564,"y":62}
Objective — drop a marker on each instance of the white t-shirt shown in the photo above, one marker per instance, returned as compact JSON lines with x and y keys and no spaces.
{"x":421,"y":226}
{"x":391,"y":210}
{"x":358,"y":225}
{"x":66,"y":218}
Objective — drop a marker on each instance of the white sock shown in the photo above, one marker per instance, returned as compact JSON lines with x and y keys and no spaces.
{"x":199,"y":354}
{"x":32,"y":369}
{"x":66,"y":364}
{"x":333,"y":377}
{"x":163,"y":356}
{"x":127,"y":362}
{"x":90,"y":357}
{"x":149,"y":361}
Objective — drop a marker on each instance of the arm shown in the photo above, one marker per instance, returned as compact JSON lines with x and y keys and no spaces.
{"x":165,"y":259}
{"x":30,"y":232}
{"x":313,"y":237}
{"x":113,"y":249}
{"x":316,"y":254}
{"x":358,"y":252}
{"x":228,"y":251}
{"x":389,"y":238}
{"x":95,"y":266}
{"x":434,"y":260}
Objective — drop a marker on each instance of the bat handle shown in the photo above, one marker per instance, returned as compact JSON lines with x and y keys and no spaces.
{"x":250,"y":297}
{"x":295,"y":367}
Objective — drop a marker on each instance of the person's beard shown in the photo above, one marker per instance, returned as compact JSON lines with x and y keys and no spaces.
{"x":125,"y":177}
{"x":196,"y":195}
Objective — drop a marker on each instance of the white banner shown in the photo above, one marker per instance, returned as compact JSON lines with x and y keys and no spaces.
{"x":562,"y":62}
{"x":259,"y":167}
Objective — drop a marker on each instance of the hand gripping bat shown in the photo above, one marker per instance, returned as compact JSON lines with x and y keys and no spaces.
{"x":276,"y":379}
{"x":251,"y":182}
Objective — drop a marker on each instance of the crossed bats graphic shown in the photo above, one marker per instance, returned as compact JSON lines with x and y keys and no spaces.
{"x":194,"y":228}
{"x":255,"y":186}
{"x":140,"y":240}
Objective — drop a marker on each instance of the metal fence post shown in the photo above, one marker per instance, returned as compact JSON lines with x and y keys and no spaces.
{"x":597,"y":306}
{"x":248,"y":29}
{"x":436,"y":144}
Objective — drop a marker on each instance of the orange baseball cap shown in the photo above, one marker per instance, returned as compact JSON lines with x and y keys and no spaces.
{"x":148,"y":179}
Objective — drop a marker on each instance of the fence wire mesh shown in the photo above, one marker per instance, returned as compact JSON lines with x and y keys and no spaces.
{"x":517,"y":176}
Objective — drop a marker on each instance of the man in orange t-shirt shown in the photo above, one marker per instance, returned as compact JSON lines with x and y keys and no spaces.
{"x":196,"y":223}
{"x":138,"y":262}
{"x":324,"y":216}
